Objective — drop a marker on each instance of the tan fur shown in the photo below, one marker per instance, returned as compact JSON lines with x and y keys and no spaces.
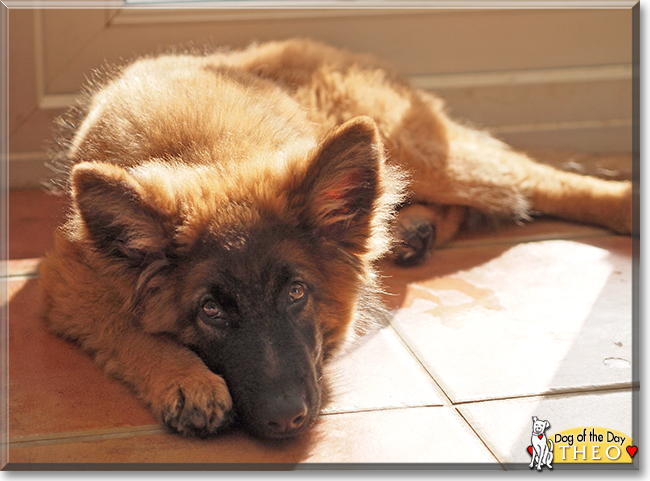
{"x":180,"y":147}
{"x":312,"y":88}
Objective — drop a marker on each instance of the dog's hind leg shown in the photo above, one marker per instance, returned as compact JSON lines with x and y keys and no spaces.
{"x":453,"y":165}
{"x":481,"y":172}
{"x":549,"y":455}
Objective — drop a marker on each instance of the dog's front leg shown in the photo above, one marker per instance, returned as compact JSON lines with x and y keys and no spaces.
{"x":537,"y":456}
{"x":180,"y":389}
{"x":532,"y":460}
{"x":541,"y":456}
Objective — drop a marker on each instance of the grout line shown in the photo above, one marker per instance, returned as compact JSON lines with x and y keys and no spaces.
{"x":582,"y":392}
{"x":381,"y":409}
{"x":556,"y":393}
{"x":458,"y":413}
{"x":622,"y":387}
{"x":407,"y":345}
{"x":148,"y":430}
{"x":82,"y":436}
{"x":21,"y":277}
{"x":448,"y":403}
{"x":454,"y":412}
{"x":19,"y":269}
{"x":468,"y":244}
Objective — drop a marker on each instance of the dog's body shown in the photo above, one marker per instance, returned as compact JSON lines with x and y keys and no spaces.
{"x":228,"y":210}
{"x":542,"y":452}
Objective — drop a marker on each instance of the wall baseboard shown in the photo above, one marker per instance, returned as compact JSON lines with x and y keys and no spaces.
{"x":28,"y":170}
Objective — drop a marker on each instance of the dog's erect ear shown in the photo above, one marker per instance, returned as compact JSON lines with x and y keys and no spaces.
{"x":342,"y":184}
{"x":534,"y":419}
{"x":119,"y":220}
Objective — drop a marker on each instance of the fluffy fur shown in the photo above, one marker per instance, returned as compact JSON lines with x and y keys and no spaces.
{"x":228,"y":210}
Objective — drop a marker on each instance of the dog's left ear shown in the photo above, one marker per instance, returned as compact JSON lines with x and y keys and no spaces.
{"x":548,"y":425}
{"x":342,"y":184}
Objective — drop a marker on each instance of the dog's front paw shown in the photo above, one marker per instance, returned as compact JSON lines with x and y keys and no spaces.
{"x":198,"y":404}
{"x":421,"y":227}
{"x":417,"y":237}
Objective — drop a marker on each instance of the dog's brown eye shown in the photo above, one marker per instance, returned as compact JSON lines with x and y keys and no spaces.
{"x":212,"y":310}
{"x":297,"y":292}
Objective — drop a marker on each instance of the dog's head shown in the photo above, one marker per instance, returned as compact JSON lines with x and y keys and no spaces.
{"x":539,"y":426}
{"x":260,"y":269}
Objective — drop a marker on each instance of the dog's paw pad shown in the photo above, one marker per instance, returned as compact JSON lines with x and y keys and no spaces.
{"x":416,"y":240}
{"x":199,"y":405}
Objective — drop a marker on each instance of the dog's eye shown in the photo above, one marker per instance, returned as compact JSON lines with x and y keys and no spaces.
{"x":212,"y":310}
{"x":297,"y":292}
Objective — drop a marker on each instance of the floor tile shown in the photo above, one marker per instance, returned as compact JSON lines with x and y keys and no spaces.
{"x":398,"y":282}
{"x":416,"y":435}
{"x":21,"y":267}
{"x":379,"y":372}
{"x":506,"y":425}
{"x":53,"y":385}
{"x":539,"y":229}
{"x":419,"y":435}
{"x":496,"y":315}
{"x":527,"y":319}
{"x":34,"y":215}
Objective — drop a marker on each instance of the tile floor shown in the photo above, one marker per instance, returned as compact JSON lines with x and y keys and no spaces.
{"x":496,"y":328}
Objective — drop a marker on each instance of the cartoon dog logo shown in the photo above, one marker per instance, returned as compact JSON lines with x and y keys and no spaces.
{"x":540,"y":449}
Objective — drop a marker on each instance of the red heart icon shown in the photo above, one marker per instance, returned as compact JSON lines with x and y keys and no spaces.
{"x":631,"y":450}
{"x":530,"y":450}
{"x":540,"y":436}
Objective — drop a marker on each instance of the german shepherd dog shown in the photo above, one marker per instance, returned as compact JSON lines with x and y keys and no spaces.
{"x":228,"y":211}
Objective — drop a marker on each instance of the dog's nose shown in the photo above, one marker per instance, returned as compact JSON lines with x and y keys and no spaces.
{"x":285,"y":416}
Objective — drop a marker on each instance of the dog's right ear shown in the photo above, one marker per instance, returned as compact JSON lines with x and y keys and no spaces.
{"x":119,"y":220}
{"x":534,"y":419}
